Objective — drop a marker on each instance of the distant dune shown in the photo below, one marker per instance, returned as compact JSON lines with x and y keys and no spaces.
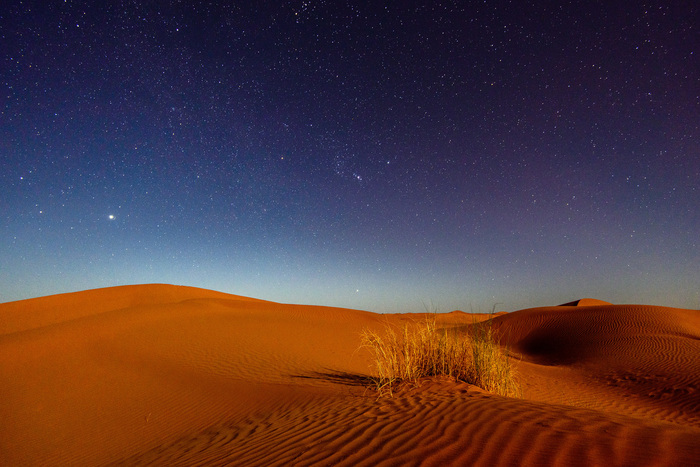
{"x":168,"y":375}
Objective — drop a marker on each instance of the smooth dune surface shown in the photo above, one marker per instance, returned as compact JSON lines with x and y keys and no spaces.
{"x":168,"y":375}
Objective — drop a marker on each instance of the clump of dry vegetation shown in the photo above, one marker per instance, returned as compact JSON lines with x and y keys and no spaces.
{"x":420,"y":349}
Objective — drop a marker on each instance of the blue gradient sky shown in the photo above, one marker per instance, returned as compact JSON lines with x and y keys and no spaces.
{"x":373,"y":157}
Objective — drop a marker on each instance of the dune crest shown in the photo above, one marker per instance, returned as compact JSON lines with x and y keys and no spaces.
{"x":53,"y":309}
{"x":587,"y":302}
{"x":178,"y":375}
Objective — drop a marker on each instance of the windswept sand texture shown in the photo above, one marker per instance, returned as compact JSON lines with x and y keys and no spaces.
{"x":167,"y":375}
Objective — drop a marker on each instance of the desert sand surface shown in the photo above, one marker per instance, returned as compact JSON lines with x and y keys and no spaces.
{"x":170,"y":375}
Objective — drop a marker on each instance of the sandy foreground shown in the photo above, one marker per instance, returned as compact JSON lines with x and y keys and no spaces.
{"x":168,"y":375}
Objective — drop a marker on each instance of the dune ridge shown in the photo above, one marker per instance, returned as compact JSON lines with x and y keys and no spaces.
{"x":168,"y":375}
{"x":54,"y":309}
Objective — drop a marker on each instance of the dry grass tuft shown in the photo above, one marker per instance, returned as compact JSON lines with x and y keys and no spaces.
{"x":421,"y":349}
{"x":491,"y":368}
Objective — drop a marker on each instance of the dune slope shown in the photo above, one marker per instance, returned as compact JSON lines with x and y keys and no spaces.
{"x":167,"y":375}
{"x":637,"y":360}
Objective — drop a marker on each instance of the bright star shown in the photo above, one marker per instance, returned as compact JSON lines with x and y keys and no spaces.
{"x":111,"y":217}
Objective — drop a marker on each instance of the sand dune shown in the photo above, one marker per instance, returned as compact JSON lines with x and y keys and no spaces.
{"x":167,"y":375}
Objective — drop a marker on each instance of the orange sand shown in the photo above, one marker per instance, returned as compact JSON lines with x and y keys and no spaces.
{"x":167,"y":375}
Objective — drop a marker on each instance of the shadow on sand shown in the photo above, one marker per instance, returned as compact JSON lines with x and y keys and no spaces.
{"x":338,"y":377}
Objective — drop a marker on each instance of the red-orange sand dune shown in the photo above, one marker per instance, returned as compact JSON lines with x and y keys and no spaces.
{"x":167,"y":375}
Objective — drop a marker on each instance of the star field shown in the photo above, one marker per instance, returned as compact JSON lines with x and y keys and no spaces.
{"x":379,"y":157}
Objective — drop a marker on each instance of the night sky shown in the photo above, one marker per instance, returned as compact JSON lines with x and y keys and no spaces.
{"x":463,"y":154}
